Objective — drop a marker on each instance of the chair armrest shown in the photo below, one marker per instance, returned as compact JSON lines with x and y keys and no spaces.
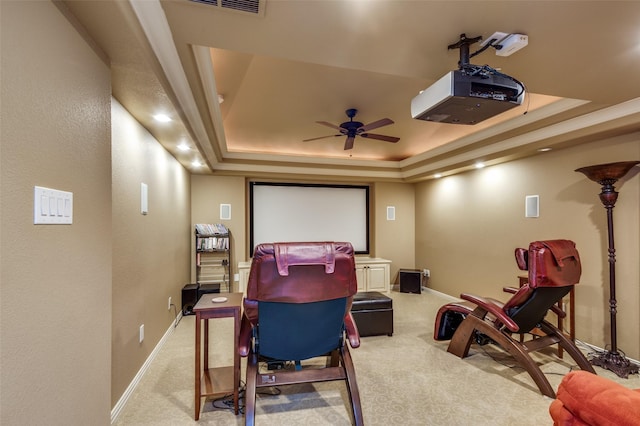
{"x":352,"y":331}
{"x":495,"y":309}
{"x":244,"y":340}
{"x":558,"y":311}
{"x":555,"y":309}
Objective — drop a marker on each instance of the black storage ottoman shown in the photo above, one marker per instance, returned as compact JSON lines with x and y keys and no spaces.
{"x":373,"y":313}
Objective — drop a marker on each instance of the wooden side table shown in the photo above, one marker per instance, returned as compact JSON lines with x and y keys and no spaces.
{"x":219,"y":380}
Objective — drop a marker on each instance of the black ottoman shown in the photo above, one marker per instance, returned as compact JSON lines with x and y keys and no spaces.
{"x":373,"y":313}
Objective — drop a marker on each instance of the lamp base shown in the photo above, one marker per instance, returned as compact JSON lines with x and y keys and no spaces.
{"x":615,"y":362}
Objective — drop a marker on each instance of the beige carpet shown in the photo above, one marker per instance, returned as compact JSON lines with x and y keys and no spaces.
{"x":406,"y":379}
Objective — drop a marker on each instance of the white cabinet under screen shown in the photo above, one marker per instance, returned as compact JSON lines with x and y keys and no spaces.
{"x":372,"y":274}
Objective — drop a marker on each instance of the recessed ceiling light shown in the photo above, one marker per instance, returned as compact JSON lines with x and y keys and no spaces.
{"x":479,"y":165}
{"x":437,"y":175}
{"x":183,"y":147}
{"x":544,"y":149}
{"x":196,"y":163}
{"x":163,"y":118}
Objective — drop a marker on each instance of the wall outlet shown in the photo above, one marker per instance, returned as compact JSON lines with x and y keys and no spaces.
{"x":426,"y":273}
{"x":141,"y":333}
{"x":169,"y":304}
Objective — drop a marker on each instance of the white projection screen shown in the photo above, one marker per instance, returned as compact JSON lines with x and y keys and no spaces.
{"x":281,"y":212}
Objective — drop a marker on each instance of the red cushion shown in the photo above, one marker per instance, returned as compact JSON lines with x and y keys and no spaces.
{"x":587,"y":399}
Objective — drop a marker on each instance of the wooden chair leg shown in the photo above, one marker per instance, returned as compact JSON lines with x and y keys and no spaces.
{"x":250,"y":392}
{"x":569,"y":346}
{"x":515,"y":349}
{"x":462,"y":338}
{"x":352,"y":386}
{"x":333,"y":360}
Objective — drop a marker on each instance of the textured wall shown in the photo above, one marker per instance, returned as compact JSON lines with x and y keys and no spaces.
{"x":55,"y":303}
{"x":468,"y":225}
{"x":207,"y":193}
{"x":151,"y":253}
{"x":395,"y":239}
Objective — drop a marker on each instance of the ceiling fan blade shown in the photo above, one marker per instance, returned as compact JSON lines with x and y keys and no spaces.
{"x":333,"y":126}
{"x":321,"y":137}
{"x":349,"y":143}
{"x":376,"y":124}
{"x":391,"y":139}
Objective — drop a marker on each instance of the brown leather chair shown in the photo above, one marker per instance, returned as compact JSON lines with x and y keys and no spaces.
{"x":297,"y":307}
{"x":554,"y":268}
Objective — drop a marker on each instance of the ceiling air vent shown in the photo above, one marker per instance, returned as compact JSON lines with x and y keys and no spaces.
{"x":254,"y":7}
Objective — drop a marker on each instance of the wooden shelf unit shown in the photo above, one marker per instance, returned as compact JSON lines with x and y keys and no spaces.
{"x":213,"y":256}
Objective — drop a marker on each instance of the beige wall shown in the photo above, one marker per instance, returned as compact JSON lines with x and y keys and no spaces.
{"x":392,"y":240}
{"x":207,"y":193}
{"x":93,"y":283}
{"x":468,"y":225}
{"x":151,"y":253}
{"x":395,"y":239}
{"x":55,"y":289}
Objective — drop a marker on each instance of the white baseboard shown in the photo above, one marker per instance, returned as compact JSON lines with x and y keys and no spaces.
{"x":600,"y":350}
{"x":117,"y":409}
{"x":443,"y":295}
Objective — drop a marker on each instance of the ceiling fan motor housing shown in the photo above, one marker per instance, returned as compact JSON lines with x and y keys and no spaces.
{"x":351,"y":129}
{"x":351,"y":126}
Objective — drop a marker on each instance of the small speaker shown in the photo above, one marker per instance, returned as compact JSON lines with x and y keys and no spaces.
{"x":189,"y":298}
{"x":225,"y":211}
{"x":410,"y":281}
{"x":532,"y":206}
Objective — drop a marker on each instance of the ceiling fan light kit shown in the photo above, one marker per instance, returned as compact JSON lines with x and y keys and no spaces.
{"x":351,"y":129}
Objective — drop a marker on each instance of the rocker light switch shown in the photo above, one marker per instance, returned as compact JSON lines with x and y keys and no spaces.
{"x":52,"y":206}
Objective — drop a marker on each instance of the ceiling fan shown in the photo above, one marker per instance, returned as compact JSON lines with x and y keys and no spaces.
{"x":351,"y":129}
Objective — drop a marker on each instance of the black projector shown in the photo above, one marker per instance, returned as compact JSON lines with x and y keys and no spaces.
{"x":459,"y":98}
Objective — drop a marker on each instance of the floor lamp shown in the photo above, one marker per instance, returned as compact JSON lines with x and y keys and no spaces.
{"x":606,"y":175}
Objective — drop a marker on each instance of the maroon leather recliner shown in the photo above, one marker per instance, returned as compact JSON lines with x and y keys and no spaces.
{"x":297,"y":307}
{"x":554,"y":268}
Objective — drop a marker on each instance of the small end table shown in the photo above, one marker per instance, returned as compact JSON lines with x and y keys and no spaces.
{"x":219,"y":380}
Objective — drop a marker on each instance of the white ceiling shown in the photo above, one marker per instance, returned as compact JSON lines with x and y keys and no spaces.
{"x":301,"y":61}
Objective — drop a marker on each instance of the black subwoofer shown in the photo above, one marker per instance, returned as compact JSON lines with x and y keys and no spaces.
{"x":410,"y":281}
{"x":189,"y":298}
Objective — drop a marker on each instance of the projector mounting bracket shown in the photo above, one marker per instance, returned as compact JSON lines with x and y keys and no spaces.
{"x":463,"y":44}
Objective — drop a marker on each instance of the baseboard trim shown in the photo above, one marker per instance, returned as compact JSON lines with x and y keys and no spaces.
{"x":598,"y":349}
{"x":117,"y":409}
{"x":443,"y":295}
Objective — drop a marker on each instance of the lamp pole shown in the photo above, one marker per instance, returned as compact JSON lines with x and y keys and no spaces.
{"x":606,"y":175}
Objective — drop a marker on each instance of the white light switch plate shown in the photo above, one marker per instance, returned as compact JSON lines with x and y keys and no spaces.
{"x":52,"y":206}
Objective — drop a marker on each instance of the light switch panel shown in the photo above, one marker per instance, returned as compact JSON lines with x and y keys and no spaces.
{"x":52,"y":206}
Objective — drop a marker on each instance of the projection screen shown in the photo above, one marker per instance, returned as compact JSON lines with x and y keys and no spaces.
{"x":281,"y":212}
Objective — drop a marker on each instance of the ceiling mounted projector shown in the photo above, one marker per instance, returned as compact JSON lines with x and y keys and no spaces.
{"x":459,"y":98}
{"x":468,"y":95}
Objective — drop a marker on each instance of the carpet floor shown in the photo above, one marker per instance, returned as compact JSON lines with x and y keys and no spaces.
{"x":406,"y":379}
